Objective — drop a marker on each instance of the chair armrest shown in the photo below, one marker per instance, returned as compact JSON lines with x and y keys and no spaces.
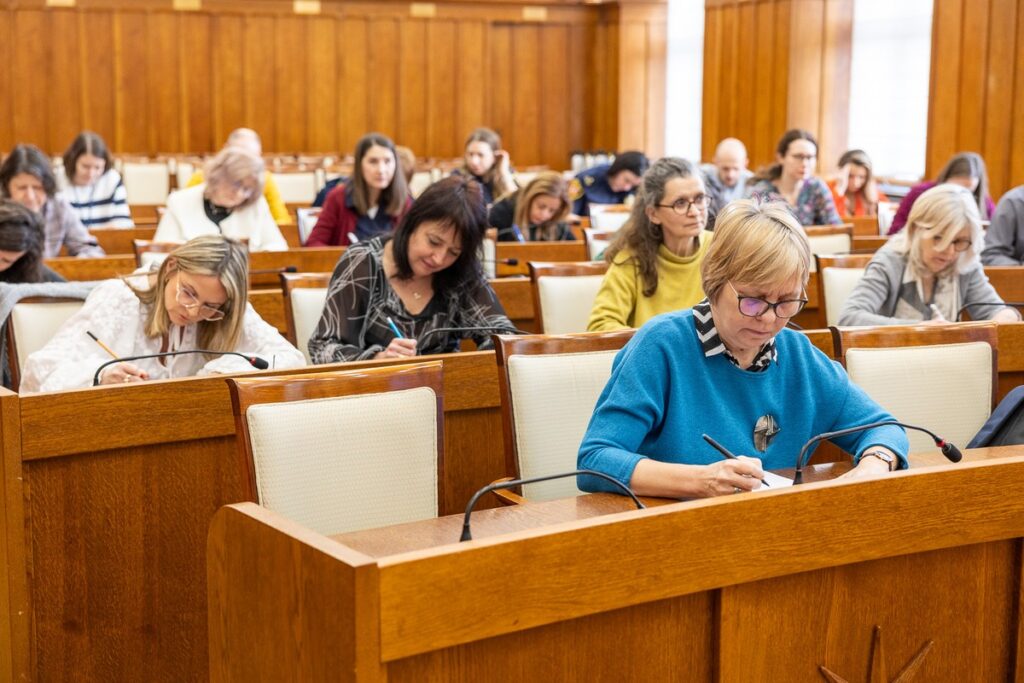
{"x":506,"y":497}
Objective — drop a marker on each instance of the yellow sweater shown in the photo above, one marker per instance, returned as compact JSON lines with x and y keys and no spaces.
{"x":620,"y":302}
{"x":278,"y":209}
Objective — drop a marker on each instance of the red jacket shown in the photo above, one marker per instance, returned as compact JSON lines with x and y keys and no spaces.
{"x":339,"y":219}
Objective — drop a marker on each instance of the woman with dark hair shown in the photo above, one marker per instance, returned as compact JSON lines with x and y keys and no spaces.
{"x":370,"y":204}
{"x":26,"y":177}
{"x":790,"y":180}
{"x":487,"y":163}
{"x":966,"y":169}
{"x":399,"y":296}
{"x":21,"y":246}
{"x":93,"y":185}
{"x":607,"y":183}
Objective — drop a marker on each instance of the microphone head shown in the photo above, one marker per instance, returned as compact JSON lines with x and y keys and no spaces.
{"x":512,"y":262}
{"x":951,"y":452}
{"x":258,"y":362}
{"x":291,"y":269}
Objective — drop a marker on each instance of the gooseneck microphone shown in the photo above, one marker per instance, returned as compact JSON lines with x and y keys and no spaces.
{"x":1001,"y":304}
{"x":949,"y":450}
{"x":438,"y":330}
{"x":501,"y":261}
{"x":254,"y":361}
{"x":468,"y":536}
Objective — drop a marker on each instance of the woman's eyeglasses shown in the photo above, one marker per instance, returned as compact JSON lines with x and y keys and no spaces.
{"x":682,"y":206}
{"x":754,"y":307}
{"x":960,"y":245}
{"x":190,"y":302}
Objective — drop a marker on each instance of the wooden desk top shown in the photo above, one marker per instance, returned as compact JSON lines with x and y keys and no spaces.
{"x":431,"y":533}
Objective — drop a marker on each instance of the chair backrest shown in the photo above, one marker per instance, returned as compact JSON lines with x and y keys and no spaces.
{"x":31,"y":325}
{"x":488,"y":257}
{"x":597,"y":241}
{"x":608,"y":217}
{"x":296,"y":188}
{"x":343,"y":451}
{"x":420,"y":181}
{"x":864,"y":226}
{"x":564,"y":293}
{"x":886,"y":212}
{"x":830,"y":239}
{"x":943,"y":378}
{"x":549,"y":387}
{"x":305,"y":220}
{"x":304,"y":297}
{"x":146,"y":183}
{"x":837,"y":276}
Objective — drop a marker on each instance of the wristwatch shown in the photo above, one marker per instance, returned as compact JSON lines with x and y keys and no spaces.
{"x":881,"y":455}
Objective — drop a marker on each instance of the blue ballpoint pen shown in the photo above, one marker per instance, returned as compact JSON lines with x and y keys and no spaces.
{"x":394,"y":328}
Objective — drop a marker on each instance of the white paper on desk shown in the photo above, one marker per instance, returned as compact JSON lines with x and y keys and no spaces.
{"x":776,"y":481}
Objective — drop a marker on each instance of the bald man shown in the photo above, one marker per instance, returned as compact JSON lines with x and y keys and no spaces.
{"x":726,"y":177}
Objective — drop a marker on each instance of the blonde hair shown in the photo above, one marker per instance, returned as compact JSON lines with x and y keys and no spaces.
{"x":546,"y":183}
{"x":757,"y":244}
{"x":943,"y":211}
{"x":214,"y":255}
{"x":239,"y":167}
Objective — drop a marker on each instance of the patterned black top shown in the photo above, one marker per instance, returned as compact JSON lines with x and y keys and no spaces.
{"x":712,"y":343}
{"x":360,"y":299}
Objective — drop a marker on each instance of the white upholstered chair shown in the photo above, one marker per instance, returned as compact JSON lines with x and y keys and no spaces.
{"x":564,"y":293}
{"x":597,"y":242}
{"x":837,"y":276}
{"x":942,"y":378}
{"x":297,"y":187}
{"x":549,"y":387}
{"x":608,"y":217}
{"x":304,"y":297}
{"x":147,"y":184}
{"x":305,"y":221}
{"x":831,"y":239}
{"x":31,"y":325}
{"x":343,"y":451}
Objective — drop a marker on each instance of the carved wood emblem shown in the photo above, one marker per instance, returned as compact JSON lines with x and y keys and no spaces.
{"x":878,"y":673}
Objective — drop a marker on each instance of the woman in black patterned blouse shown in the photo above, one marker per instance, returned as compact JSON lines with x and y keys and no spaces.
{"x":424,"y":278}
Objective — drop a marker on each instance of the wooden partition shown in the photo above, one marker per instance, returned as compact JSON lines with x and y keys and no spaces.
{"x":727,"y":589}
{"x":552,"y":77}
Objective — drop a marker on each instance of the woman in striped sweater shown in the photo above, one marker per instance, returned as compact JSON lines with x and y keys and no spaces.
{"x":93,"y":185}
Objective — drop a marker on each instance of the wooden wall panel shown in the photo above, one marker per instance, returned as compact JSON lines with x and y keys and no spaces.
{"x":322,"y":100}
{"x":355,"y":84}
{"x":227,"y":65}
{"x":475,"y":86}
{"x":976,"y":101}
{"x":291,"y":86}
{"x":29,"y":100}
{"x":444,"y":91}
{"x":132,"y":84}
{"x":6,"y":57}
{"x":412,"y":79}
{"x":196,"y":57}
{"x":64,"y":77}
{"x":165,"y":102}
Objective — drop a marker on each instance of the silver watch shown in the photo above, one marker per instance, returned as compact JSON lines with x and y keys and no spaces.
{"x":881,"y":455}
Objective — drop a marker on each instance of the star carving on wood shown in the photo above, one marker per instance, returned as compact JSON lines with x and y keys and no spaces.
{"x":878,"y":671}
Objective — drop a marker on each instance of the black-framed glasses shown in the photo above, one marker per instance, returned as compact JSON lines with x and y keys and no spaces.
{"x":959,"y":245}
{"x":682,"y":206}
{"x":755,"y":307}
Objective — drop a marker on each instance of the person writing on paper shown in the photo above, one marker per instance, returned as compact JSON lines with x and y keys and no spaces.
{"x":729,"y":368}
{"x":487,"y":163}
{"x":229,"y":203}
{"x":368,"y":205}
{"x":654,"y":262}
{"x":535,"y":213}
{"x":931,"y":270}
{"x":391,"y":297}
{"x":196,"y":300}
{"x":790,"y":179}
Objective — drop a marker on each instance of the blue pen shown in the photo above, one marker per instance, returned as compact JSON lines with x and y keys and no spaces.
{"x":394,"y":328}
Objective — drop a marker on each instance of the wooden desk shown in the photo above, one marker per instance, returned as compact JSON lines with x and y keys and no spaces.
{"x":761,"y":586}
{"x":537,"y":251}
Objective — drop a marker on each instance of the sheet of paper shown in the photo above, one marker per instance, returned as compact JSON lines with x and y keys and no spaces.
{"x":776,"y":481}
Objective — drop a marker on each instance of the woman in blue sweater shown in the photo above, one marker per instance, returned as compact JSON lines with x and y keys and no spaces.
{"x":727,"y":368}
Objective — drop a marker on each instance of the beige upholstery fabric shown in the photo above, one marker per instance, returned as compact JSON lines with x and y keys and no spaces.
{"x":565,"y":302}
{"x":307,"y":307}
{"x":146,"y":184}
{"x":603,"y":219}
{"x":306,"y":220}
{"x":488,"y":254}
{"x":346,"y":463}
{"x":553,"y":397}
{"x":421,"y":180}
{"x":945,"y":388}
{"x":829,"y":244}
{"x":296,"y":188}
{"x":35,"y":324}
{"x":839,"y":283}
{"x":594,"y":244}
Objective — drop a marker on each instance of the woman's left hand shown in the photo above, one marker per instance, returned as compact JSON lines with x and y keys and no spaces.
{"x":1006,"y":315}
{"x":869,"y":467}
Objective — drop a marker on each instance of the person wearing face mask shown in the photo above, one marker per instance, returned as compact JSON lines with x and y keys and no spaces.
{"x":392,"y":296}
{"x":197,"y":299}
{"x":965,"y":169}
{"x":93,"y":185}
{"x":931,"y":270}
{"x":607,"y":183}
{"x":855,"y":191}
{"x":487,"y":163}
{"x":654,"y":262}
{"x":790,"y":180}
{"x":727,"y":367}
{"x":229,"y":203}
{"x":26,"y":177}
{"x":370,"y":204}
{"x":535,"y":213}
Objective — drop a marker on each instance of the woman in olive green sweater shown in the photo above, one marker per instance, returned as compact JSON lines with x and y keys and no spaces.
{"x":654,"y":262}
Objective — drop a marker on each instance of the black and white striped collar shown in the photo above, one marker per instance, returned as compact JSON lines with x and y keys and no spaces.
{"x":712,"y":343}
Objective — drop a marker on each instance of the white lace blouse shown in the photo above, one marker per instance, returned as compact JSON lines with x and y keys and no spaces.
{"x":116,"y":316}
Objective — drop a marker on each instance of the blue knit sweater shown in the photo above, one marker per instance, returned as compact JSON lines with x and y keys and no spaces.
{"x":664,"y":394}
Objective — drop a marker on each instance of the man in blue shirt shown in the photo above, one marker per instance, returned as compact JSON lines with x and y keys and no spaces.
{"x":607,"y":184}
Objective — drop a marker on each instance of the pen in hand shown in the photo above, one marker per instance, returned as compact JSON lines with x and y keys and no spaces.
{"x":725,"y":451}
{"x":102,"y":345}
{"x":394,"y":328}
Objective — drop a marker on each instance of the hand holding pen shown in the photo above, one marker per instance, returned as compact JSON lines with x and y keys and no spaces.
{"x":400,"y":346}
{"x":735,"y":474}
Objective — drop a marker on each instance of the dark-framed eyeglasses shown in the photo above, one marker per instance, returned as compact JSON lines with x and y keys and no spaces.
{"x":959,"y":245}
{"x":755,"y":307}
{"x":682,"y":206}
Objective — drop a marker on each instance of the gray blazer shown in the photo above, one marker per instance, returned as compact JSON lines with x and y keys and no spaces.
{"x":873,"y":300}
{"x":1004,"y":241}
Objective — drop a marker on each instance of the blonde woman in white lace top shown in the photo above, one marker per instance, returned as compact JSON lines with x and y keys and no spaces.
{"x":196,"y":300}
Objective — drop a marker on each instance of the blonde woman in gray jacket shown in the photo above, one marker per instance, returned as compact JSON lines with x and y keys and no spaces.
{"x":930,"y":271}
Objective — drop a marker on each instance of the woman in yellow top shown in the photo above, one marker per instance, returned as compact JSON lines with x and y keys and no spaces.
{"x":654,"y":262}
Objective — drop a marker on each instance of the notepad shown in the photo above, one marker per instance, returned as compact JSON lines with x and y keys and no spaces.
{"x":776,"y":481}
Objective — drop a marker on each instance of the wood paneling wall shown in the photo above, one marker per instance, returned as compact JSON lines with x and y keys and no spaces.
{"x":154,"y":80}
{"x":771,"y":65}
{"x":976,"y":98}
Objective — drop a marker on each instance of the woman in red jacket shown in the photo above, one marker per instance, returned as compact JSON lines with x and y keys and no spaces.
{"x":370,"y":204}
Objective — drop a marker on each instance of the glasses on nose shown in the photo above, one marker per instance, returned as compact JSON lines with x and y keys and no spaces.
{"x":754,"y":307}
{"x":803,"y":157}
{"x":959,"y":245}
{"x":682,"y":206}
{"x":189,"y":301}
